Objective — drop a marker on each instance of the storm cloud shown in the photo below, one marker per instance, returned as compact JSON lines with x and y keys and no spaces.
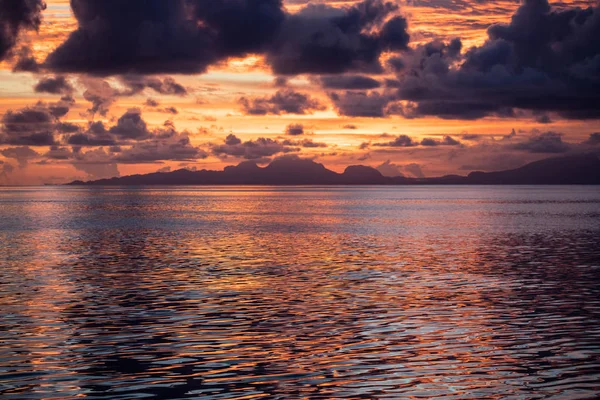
{"x":544,"y":60}
{"x":30,"y":126}
{"x":117,"y":37}
{"x":15,"y":16}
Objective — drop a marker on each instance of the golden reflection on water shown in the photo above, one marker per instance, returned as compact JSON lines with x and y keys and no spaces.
{"x":300,"y":293}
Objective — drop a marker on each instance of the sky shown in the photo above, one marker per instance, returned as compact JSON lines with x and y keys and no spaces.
{"x":95,"y":89}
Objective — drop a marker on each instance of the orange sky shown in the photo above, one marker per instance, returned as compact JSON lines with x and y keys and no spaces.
{"x":211,"y":110}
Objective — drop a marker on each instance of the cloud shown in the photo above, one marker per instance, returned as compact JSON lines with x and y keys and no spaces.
{"x":30,"y":126}
{"x":446,"y":141}
{"x":152,"y":102}
{"x":96,"y":135}
{"x":155,"y":104}
{"x":131,"y":126}
{"x":22,"y":154}
{"x":58,"y":153}
{"x":156,"y":36}
{"x":349,"y":82}
{"x":543,"y":119}
{"x":360,"y":104}
{"x":170,"y":110}
{"x":16,"y":16}
{"x":294,"y":130}
{"x":5,"y":171}
{"x":187,"y":36}
{"x":305,"y":143}
{"x":251,"y":149}
{"x":25,"y":61}
{"x":594,"y":139}
{"x":99,"y":93}
{"x":321,"y":39}
{"x":284,"y":101}
{"x":471,"y":137}
{"x":415,"y":170}
{"x":54,"y":85}
{"x":400,"y":141}
{"x":172,"y":148}
{"x":547,"y":142}
{"x":390,"y":169}
{"x":544,"y":60}
{"x":96,"y":164}
{"x":138,"y":83}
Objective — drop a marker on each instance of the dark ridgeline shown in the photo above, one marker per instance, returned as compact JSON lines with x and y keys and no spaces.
{"x":578,"y":169}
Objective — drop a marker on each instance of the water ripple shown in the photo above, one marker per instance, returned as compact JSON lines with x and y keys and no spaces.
{"x":307,"y":293}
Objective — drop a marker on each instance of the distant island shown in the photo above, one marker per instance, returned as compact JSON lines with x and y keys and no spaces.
{"x":583,"y":169}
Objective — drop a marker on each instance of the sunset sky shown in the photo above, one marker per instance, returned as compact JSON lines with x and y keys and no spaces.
{"x":93,"y":89}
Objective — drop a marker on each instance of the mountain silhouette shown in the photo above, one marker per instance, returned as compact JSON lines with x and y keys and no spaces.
{"x":578,"y":169}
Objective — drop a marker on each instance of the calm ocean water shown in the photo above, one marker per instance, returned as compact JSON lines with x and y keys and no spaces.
{"x":284,"y":293}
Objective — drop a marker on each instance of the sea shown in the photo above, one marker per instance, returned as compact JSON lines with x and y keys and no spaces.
{"x":403,"y":292}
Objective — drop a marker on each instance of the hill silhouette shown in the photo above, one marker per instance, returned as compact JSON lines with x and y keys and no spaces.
{"x":578,"y":169}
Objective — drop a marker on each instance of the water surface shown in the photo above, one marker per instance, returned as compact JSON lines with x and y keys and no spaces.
{"x":307,"y":292}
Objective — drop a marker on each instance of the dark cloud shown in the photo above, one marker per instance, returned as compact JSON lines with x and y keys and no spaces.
{"x":544,"y":60}
{"x":349,"y":82}
{"x":280,"y":81}
{"x":54,"y":85}
{"x":173,"y":148}
{"x":310,"y":144}
{"x":360,"y":104}
{"x":62,"y":107}
{"x":394,"y":34}
{"x":321,"y":39}
{"x":400,"y":141}
{"x":30,"y":126}
{"x":138,"y":83}
{"x":131,"y":126}
{"x":510,"y":136}
{"x":543,"y":119}
{"x":251,"y":149}
{"x":129,"y":129}
{"x":59,"y":153}
{"x":67,"y":127}
{"x":446,"y":141}
{"x":232,"y":140}
{"x":22,"y":154}
{"x":547,"y":142}
{"x":470,"y":137}
{"x":186,"y":36}
{"x":285,"y":101}
{"x":152,"y":103}
{"x":594,"y":139}
{"x":25,"y":61}
{"x":156,"y":36}
{"x":170,"y":110}
{"x":100,"y":94}
{"x":155,"y":104}
{"x":294,"y":130}
{"x":96,"y":135}
{"x":17,"y":15}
